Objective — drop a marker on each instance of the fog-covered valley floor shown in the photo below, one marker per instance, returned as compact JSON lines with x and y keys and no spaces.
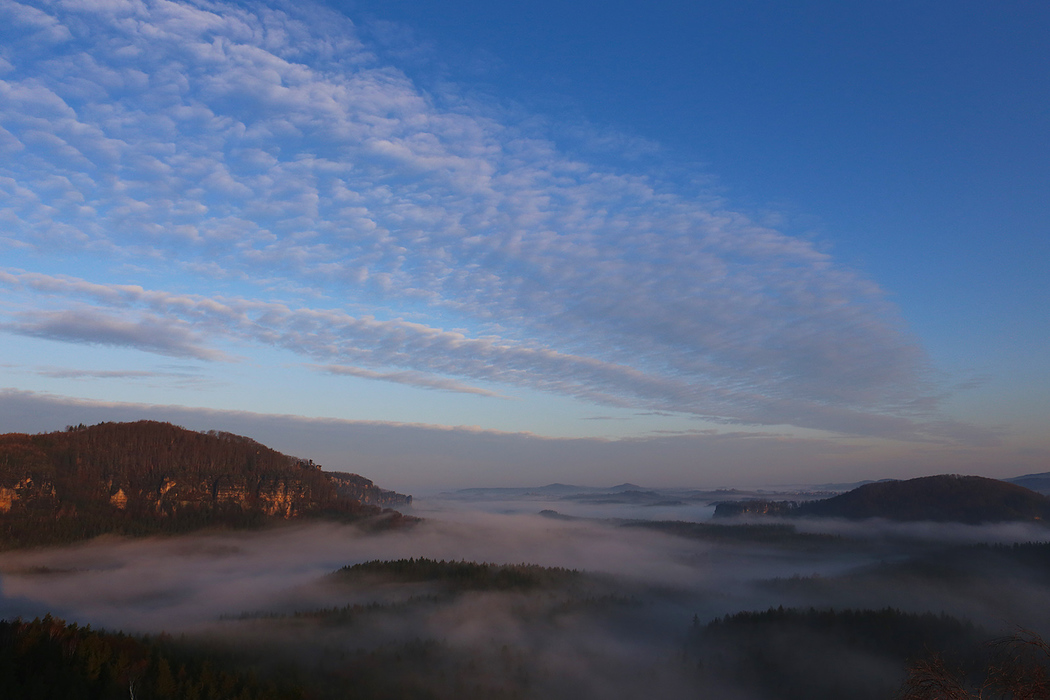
{"x":618,"y":603}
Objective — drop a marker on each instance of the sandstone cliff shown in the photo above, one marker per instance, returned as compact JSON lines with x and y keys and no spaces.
{"x":363,"y":490}
{"x":147,"y":476}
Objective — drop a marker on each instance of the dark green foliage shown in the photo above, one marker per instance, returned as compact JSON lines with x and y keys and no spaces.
{"x":47,"y":659}
{"x":812,"y":654}
{"x":459,"y":575}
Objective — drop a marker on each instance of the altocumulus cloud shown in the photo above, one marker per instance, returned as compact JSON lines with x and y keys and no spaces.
{"x":265,"y":153}
{"x":90,"y":326}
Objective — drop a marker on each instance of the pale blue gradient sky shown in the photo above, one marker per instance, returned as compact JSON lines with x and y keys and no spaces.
{"x":814,"y":223}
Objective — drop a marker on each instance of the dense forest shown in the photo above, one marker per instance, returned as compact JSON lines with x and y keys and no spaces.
{"x":149,"y":477}
{"x":817,"y":654}
{"x":789,"y":654}
{"x":458,"y":575}
{"x":47,"y":659}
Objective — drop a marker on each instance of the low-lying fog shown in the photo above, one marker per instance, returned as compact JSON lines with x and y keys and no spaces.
{"x":203,"y":583}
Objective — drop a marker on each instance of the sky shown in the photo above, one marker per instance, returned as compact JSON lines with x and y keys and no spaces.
{"x":466,"y":243}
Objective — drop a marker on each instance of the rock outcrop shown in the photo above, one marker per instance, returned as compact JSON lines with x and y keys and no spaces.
{"x":149,"y":476}
{"x":729,"y":509}
{"x":359,"y":488}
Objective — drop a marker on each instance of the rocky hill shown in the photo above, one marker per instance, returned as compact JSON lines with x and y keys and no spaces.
{"x":361,"y":489}
{"x":144,"y":477}
{"x":943,"y":498}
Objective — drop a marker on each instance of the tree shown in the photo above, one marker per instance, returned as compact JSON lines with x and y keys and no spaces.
{"x":1019,"y":670}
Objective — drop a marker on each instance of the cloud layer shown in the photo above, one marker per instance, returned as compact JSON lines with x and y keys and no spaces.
{"x":410,"y":457}
{"x":281,"y":186}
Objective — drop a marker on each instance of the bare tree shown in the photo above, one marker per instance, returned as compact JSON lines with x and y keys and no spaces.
{"x":1018,"y":671}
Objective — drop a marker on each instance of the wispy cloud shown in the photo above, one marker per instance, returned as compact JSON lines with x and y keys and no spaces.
{"x":410,"y":378}
{"x":416,"y":456}
{"x":182,"y":377}
{"x":148,"y":333}
{"x":253,"y":142}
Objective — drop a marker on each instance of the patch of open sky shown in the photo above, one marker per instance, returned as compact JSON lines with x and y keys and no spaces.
{"x":899,"y":134}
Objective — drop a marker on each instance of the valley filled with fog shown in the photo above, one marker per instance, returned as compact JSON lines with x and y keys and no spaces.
{"x":616,"y":599}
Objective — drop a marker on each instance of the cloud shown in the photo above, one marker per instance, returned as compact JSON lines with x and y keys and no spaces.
{"x":409,"y":378}
{"x":63,"y":373}
{"x":270,"y":143}
{"x":150,"y":334}
{"x":330,"y":334}
{"x":413,"y":457}
{"x":180,"y":377}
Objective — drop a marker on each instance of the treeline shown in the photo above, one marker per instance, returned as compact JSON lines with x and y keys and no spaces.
{"x":46,"y":659}
{"x":460,"y":575}
{"x":783,"y":534}
{"x":140,"y":450}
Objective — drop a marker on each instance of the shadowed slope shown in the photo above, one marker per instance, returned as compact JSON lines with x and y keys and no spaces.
{"x":943,"y":498}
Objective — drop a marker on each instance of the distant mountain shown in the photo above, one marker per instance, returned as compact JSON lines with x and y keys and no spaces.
{"x":1037,"y":482}
{"x":149,"y":477}
{"x":626,"y":486}
{"x":944,"y":498}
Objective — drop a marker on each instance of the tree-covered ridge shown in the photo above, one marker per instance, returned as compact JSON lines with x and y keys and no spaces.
{"x":459,"y":575}
{"x":944,"y":498}
{"x":47,"y":659}
{"x":150,"y":477}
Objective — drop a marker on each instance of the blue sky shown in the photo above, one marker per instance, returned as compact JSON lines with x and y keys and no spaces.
{"x":796,"y":240}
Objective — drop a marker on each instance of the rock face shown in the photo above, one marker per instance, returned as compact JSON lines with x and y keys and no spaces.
{"x":149,"y":476}
{"x":729,"y":509}
{"x":361,"y":489}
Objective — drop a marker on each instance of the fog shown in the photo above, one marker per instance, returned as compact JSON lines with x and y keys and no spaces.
{"x":617,"y":633}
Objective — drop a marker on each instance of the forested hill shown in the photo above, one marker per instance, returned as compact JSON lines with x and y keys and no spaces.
{"x":146,"y":477}
{"x":943,"y":498}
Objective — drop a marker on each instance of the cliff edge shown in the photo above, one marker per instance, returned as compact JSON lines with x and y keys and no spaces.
{"x":150,"y":477}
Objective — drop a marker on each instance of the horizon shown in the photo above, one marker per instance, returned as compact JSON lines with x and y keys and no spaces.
{"x":471,"y":245}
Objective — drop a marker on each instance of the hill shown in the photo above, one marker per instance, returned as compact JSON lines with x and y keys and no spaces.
{"x":149,"y":477}
{"x":943,"y":498}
